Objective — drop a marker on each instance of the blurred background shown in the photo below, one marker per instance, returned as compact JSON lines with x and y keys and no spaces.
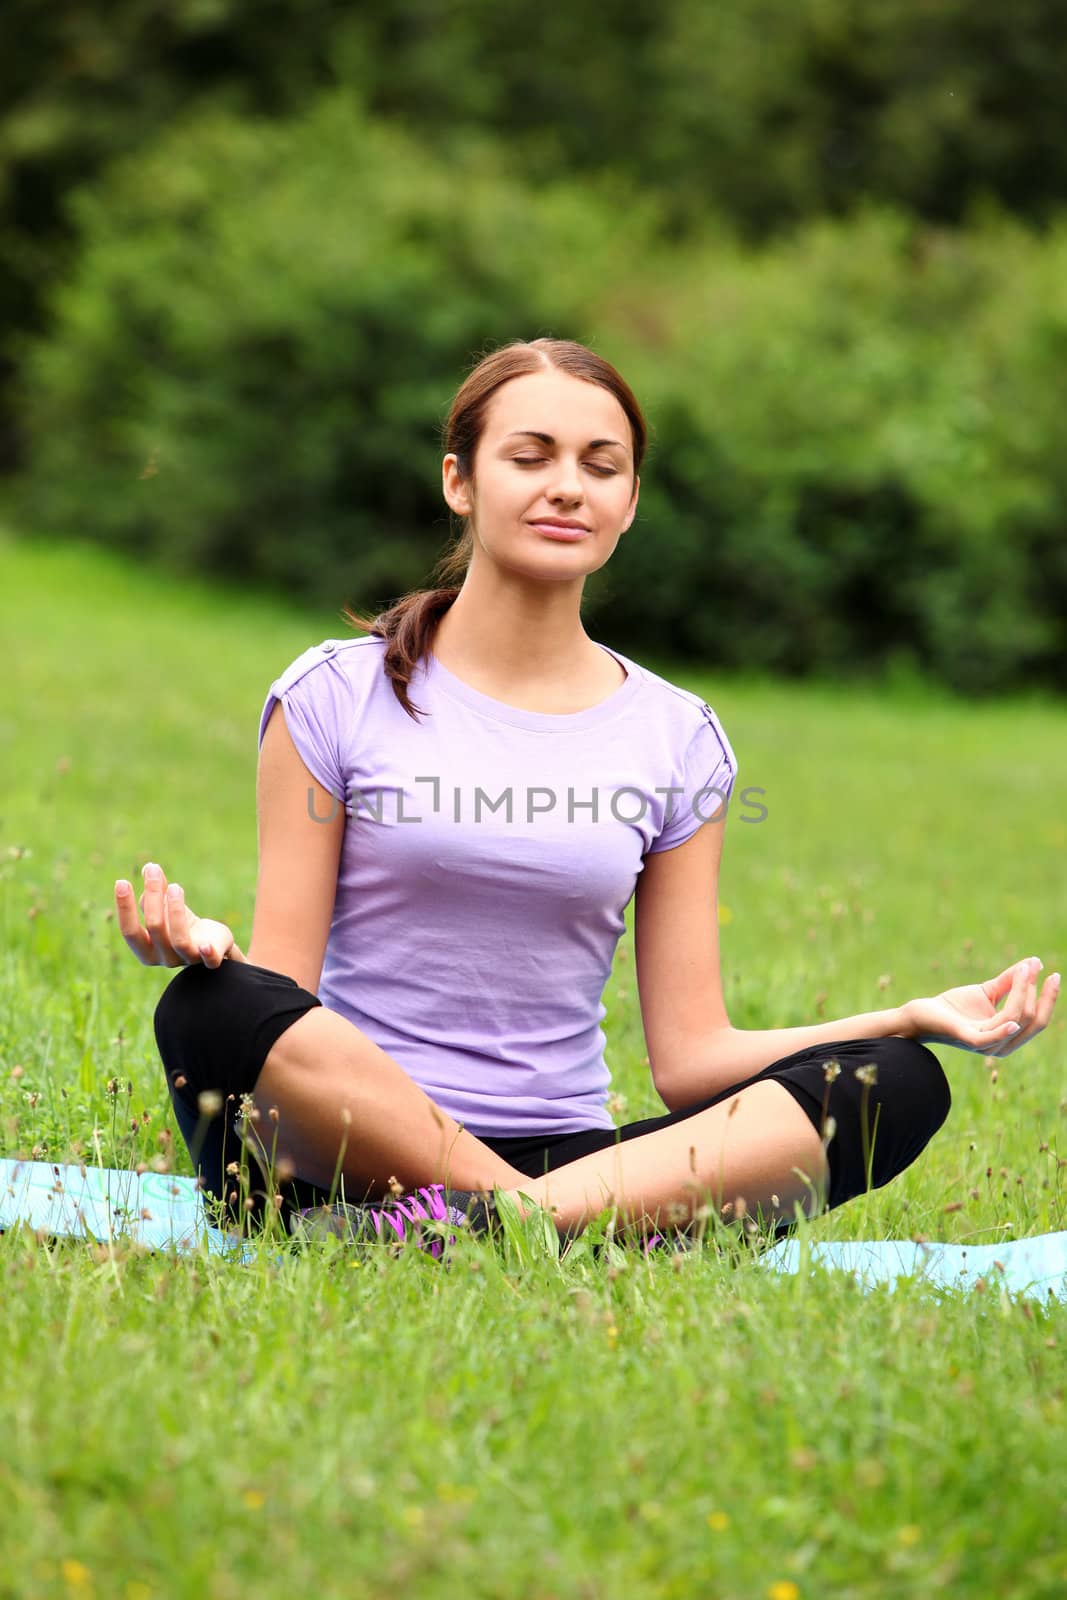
{"x":248,"y":249}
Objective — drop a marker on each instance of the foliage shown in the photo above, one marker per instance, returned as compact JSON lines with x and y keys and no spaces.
{"x":860,"y":446}
{"x":761,"y":112}
{"x":256,"y":388}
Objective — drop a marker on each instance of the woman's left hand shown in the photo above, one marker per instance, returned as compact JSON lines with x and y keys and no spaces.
{"x":968,"y":1018}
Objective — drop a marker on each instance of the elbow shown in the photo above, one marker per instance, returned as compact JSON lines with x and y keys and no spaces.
{"x":669,"y":1090}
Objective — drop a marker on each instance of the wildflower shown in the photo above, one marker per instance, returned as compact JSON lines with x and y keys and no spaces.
{"x":783,"y":1589}
{"x":831,"y":1070}
{"x":867,"y":1074}
{"x":254,"y":1499}
{"x":718,"y":1520}
{"x":209,"y":1102}
{"x":76,"y":1573}
{"x":909,"y":1533}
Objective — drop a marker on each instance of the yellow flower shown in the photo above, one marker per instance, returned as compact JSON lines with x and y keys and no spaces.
{"x":909,"y":1533}
{"x":718,"y":1520}
{"x":76,"y":1573}
{"x":254,"y":1499}
{"x":725,"y":916}
{"x":783,"y":1589}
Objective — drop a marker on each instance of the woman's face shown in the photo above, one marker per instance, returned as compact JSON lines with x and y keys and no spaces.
{"x":553,"y":484}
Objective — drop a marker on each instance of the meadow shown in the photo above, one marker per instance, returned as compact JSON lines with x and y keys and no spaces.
{"x":513,"y":1426}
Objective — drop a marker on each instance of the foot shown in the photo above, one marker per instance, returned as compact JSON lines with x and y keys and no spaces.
{"x":394,"y":1220}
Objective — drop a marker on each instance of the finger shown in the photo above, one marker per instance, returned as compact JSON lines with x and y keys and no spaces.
{"x":1013,"y":1006}
{"x":1042,"y":1015}
{"x":180,"y":926}
{"x":155,"y":913}
{"x":130,"y":923}
{"x":996,"y":988}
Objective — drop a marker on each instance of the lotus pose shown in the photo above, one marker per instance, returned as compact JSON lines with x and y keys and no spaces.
{"x":454,"y":809}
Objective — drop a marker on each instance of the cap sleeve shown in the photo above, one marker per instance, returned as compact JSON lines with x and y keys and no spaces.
{"x":316,"y":699}
{"x":709,"y":774}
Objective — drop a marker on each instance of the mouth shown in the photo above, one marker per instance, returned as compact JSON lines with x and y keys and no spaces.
{"x":560,"y":528}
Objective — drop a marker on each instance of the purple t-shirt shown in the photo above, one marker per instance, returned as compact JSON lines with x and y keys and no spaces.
{"x":488,"y":856}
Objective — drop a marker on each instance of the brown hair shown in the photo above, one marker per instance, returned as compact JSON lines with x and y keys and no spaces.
{"x":408,"y":626}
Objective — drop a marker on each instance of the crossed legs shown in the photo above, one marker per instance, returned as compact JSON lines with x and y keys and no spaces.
{"x":343,"y":1104}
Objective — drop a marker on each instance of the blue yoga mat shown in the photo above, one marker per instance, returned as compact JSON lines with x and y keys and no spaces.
{"x":167,"y":1213}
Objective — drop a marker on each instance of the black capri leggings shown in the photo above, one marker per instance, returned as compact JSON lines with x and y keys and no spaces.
{"x":215,"y":1026}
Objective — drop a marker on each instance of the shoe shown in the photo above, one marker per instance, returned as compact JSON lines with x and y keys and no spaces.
{"x":394,"y":1220}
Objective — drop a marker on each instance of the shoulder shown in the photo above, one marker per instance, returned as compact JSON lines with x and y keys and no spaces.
{"x":355,"y":659}
{"x":689,"y":713}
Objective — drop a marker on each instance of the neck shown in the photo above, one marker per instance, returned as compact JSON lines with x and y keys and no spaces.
{"x":515,"y":632}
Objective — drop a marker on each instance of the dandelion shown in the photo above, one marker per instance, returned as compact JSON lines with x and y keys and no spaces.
{"x":909,"y":1534}
{"x":209,"y":1102}
{"x":76,"y":1573}
{"x":254,"y":1499}
{"x":867,"y":1074}
{"x":718,"y":1521}
{"x":783,"y":1589}
{"x":831,"y":1070}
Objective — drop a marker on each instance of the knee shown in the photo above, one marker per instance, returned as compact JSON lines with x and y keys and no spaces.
{"x":192,"y":1006}
{"x":914,"y":1078}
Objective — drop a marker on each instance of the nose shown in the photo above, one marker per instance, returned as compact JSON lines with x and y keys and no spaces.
{"x":567,"y":484}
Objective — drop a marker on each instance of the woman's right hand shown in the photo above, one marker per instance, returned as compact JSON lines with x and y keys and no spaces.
{"x":173,"y":935}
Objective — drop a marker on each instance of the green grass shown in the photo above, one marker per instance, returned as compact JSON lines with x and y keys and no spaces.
{"x":522,"y":1429}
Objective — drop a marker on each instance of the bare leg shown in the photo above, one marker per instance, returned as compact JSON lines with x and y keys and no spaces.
{"x":337,"y":1094}
{"x":744,"y":1147}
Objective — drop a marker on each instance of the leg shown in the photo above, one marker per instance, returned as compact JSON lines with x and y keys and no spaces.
{"x":874,"y":1103}
{"x":245,"y":1031}
{"x":760,"y":1147}
{"x":340,"y":1097}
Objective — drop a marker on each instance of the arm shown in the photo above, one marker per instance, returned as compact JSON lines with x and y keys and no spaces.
{"x":693,"y":1049}
{"x":298,"y":861}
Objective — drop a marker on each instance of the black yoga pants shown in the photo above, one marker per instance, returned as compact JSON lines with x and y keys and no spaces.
{"x":215,"y":1026}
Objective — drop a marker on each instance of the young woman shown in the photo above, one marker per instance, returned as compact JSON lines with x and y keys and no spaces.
{"x":454,"y":811}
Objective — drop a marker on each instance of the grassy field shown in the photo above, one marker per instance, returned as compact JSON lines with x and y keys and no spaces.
{"x":521,"y":1429}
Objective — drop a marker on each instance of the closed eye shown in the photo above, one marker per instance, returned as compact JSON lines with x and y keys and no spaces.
{"x":594,"y":466}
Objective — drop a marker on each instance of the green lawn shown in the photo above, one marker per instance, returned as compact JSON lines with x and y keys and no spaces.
{"x":528,"y":1430}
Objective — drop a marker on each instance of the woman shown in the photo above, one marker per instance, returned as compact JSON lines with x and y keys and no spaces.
{"x":454,"y":811}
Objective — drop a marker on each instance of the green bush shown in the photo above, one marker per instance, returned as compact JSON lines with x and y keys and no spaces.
{"x":859,"y":458}
{"x":249,"y":370}
{"x":862,"y":456}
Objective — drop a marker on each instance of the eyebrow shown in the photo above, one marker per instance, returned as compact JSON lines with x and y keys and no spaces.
{"x":546,"y":438}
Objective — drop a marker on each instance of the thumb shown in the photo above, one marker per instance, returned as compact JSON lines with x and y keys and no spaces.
{"x":996,"y":988}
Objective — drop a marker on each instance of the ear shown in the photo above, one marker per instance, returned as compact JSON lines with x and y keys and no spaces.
{"x":632,"y":512}
{"x":456,"y":489}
